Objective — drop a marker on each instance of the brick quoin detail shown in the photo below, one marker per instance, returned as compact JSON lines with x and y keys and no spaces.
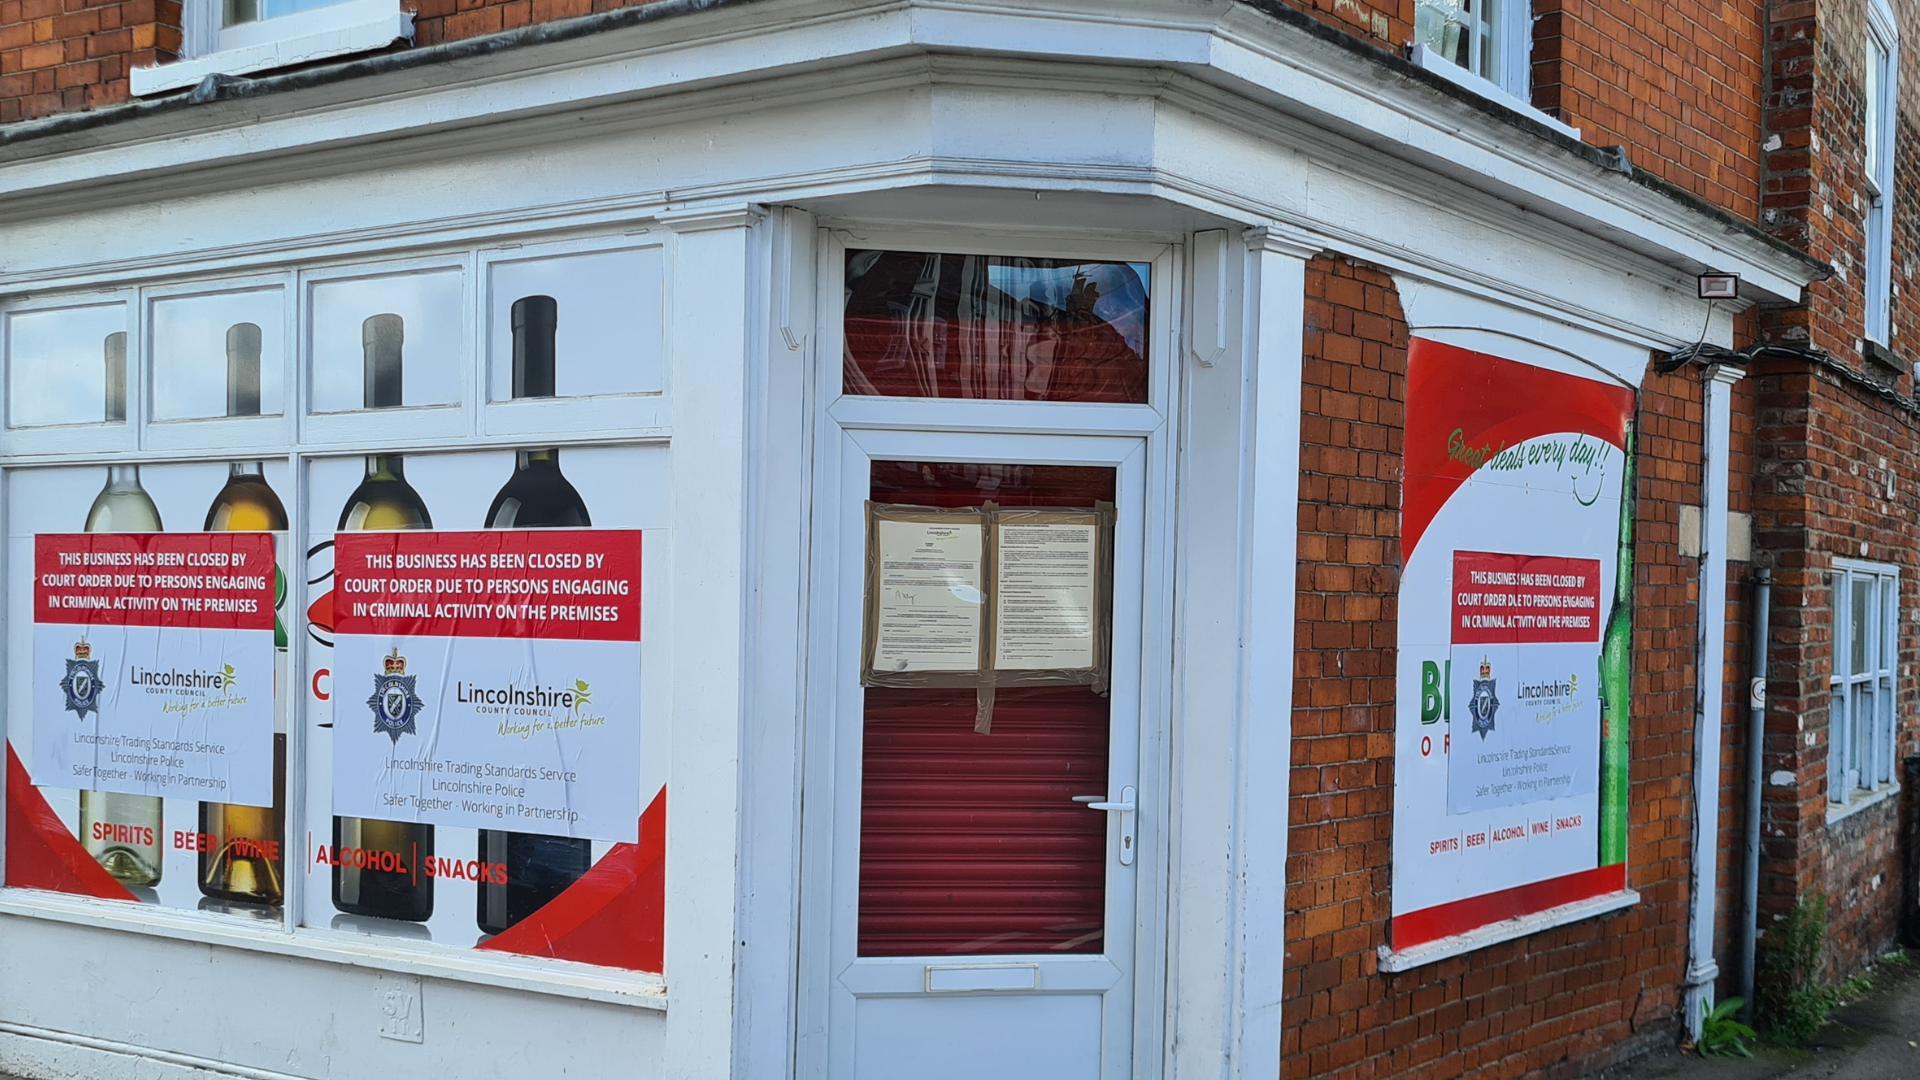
{"x":1551,"y":1005}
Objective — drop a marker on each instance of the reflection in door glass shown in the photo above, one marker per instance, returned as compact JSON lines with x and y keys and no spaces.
{"x":995,"y":327}
{"x":971,"y":843}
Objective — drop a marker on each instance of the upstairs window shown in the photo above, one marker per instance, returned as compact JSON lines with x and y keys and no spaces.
{"x":1881,"y":87}
{"x":1862,"y":720}
{"x":239,"y":37}
{"x":1487,"y":38}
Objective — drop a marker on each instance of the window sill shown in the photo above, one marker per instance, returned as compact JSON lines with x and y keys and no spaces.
{"x":534,"y":975}
{"x":1861,"y":800}
{"x":357,"y":33}
{"x":1459,"y":76}
{"x":1472,"y":940}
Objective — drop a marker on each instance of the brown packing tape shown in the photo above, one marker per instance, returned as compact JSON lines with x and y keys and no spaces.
{"x":983,"y":707}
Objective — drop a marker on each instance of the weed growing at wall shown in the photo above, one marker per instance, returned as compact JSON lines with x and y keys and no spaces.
{"x":1793,"y":995}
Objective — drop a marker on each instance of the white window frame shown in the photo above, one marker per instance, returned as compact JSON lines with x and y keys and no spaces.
{"x":1511,"y":64}
{"x":207,"y":48}
{"x":1882,"y":57}
{"x":1861,"y":748}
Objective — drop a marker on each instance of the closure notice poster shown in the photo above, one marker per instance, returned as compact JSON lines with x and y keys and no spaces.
{"x":1514,"y":641}
{"x":489,"y":679}
{"x":153,"y":664}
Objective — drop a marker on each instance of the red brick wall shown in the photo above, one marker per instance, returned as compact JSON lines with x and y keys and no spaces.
{"x":1558,"y":1002}
{"x":1820,"y":493}
{"x":1678,"y":83}
{"x":66,"y":55}
{"x":449,"y":20}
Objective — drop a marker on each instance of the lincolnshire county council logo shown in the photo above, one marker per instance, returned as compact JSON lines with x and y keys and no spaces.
{"x":394,"y":702}
{"x":1483,"y":704}
{"x":82,"y":684}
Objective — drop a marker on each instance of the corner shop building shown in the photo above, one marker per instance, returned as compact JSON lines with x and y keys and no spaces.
{"x":1282,"y":339}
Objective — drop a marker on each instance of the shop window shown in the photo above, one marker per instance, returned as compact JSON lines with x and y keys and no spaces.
{"x":1882,"y":95}
{"x":929,"y":325}
{"x":1862,"y":714}
{"x":437,"y":655}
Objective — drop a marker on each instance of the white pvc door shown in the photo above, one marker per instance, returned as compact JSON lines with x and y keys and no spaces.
{"x":983,"y":931}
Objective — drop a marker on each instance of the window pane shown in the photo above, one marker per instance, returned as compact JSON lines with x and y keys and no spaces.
{"x":222,"y":354}
{"x":235,"y":12}
{"x":62,"y":366}
{"x":1446,"y":27}
{"x":1860,"y":626}
{"x":173,"y":785}
{"x":1837,"y":745}
{"x":1860,"y":760}
{"x":995,"y":327}
{"x":1876,"y":106}
{"x":1884,"y":733}
{"x":421,"y":314}
{"x":598,"y":317}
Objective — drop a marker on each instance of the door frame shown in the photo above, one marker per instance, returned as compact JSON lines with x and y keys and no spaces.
{"x":953,"y":429}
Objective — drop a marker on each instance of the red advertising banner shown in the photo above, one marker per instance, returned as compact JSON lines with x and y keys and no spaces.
{"x":206,"y":581}
{"x":1524,"y":599}
{"x":570,"y":584}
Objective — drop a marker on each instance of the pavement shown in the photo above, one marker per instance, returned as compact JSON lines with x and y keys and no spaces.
{"x":1874,"y":1038}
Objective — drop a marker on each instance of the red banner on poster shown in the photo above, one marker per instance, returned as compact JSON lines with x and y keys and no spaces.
{"x":569,"y":584}
{"x":205,"y":581}
{"x":1524,"y":599}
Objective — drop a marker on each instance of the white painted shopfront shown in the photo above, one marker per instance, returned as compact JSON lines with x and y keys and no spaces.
{"x":704,"y":182}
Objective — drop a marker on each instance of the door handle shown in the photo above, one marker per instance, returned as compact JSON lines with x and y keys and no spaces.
{"x":1125,"y":808}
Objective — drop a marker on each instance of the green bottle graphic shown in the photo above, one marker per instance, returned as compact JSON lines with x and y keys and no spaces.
{"x":1616,"y":682}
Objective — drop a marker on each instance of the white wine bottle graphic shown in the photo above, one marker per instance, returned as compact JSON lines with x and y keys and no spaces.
{"x":122,"y":832}
{"x":384,"y":500}
{"x":243,"y":859}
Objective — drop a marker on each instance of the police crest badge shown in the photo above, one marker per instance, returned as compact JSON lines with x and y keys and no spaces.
{"x":1484,"y":703}
{"x":82,"y":681}
{"x":395,"y":703}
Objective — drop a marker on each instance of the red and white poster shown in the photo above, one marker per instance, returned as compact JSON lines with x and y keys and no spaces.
{"x":1514,"y":634}
{"x":154,"y":664}
{"x":489,"y":680}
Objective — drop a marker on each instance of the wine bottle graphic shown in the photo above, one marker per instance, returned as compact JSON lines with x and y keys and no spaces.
{"x":384,"y":500}
{"x":241,"y":859}
{"x":122,"y":832}
{"x":536,"y":496}
{"x":116,"y":355}
{"x":1616,"y":682}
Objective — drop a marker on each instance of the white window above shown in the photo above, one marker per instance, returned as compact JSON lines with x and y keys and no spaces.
{"x":240,"y":37}
{"x":1483,"y":45}
{"x":1881,"y":86}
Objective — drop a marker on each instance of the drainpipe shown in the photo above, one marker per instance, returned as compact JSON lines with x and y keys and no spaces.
{"x":1709,"y":680}
{"x":1756,"y":739}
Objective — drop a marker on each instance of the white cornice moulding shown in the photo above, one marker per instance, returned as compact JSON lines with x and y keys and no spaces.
{"x":1244,"y":69}
{"x":694,"y":219}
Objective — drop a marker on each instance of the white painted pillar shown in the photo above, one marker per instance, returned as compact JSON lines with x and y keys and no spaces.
{"x":1239,"y":480}
{"x":1710,"y":669}
{"x":1277,"y":328}
{"x":711,"y":342}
